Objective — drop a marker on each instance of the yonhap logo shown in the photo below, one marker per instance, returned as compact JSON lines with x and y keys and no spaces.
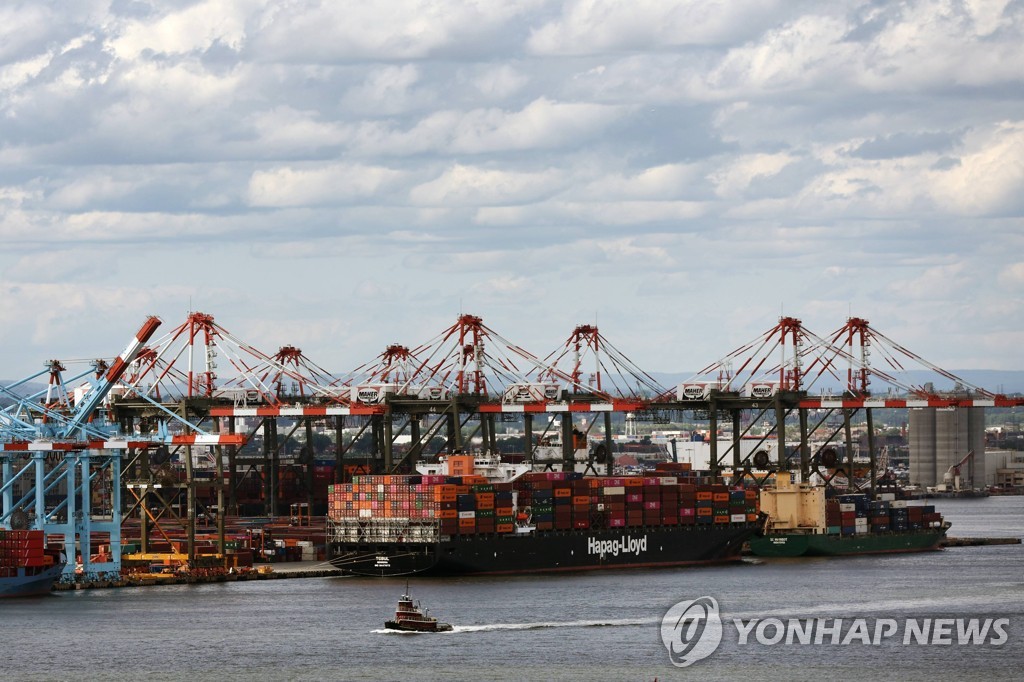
{"x":691,"y":630}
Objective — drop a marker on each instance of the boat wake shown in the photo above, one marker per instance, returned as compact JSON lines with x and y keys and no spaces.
{"x":491,"y":627}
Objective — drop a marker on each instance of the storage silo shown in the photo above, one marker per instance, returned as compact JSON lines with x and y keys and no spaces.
{"x":940,"y":438}
{"x":921,"y":434}
{"x":950,"y":441}
{"x":976,"y":442}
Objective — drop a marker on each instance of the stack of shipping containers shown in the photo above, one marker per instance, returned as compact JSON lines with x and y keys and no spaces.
{"x":856,"y":514}
{"x":22,"y":549}
{"x":549,"y":501}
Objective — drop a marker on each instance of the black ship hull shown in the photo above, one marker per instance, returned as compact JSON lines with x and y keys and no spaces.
{"x":546,"y":551}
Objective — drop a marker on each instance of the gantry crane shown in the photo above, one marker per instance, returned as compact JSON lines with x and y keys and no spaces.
{"x":59,"y":449}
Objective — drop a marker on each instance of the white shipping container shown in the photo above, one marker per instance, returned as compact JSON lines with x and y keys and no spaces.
{"x":738,"y":518}
{"x":531,"y":393}
{"x":887,"y":497}
{"x":669,"y":480}
{"x":615,"y":490}
{"x":898,"y":504}
{"x":372,"y":394}
{"x":432,"y":393}
{"x":847,"y":507}
{"x":467,"y":514}
{"x":763,"y":389}
{"x":697,"y":390}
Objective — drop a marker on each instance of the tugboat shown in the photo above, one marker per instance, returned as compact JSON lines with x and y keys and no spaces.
{"x":410,"y":618}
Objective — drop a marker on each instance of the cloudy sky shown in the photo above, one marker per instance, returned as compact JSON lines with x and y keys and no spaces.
{"x":344,"y":175}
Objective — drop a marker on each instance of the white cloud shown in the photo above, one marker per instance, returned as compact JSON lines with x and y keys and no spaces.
{"x":81,"y":193}
{"x":193,"y":28}
{"x":601,"y":26}
{"x":657,"y":182}
{"x":467,"y":185}
{"x":989,"y":177}
{"x":18,"y":73}
{"x":733,"y":179}
{"x":933,"y":284}
{"x":630,"y":212}
{"x":510,"y":287}
{"x":384,"y":91}
{"x":387,"y":30}
{"x":289,"y":186}
{"x":541,"y":124}
{"x":805,"y":52}
{"x":501,"y":81}
{"x":988,"y":15}
{"x":287,"y":131}
{"x":1012,"y":276}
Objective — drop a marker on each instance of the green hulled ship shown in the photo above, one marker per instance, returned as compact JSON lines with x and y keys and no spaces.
{"x":806,"y":544}
{"x":804,"y":523}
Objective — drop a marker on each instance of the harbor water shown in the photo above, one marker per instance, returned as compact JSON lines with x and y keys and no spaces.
{"x":584,"y":626}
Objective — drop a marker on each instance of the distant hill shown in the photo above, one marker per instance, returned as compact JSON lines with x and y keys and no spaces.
{"x":23,"y":390}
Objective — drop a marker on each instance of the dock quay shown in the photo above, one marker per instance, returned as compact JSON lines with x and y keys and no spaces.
{"x":303,"y":569}
{"x":979,"y":542}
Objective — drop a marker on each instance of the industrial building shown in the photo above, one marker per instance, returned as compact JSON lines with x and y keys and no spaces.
{"x":940,"y":440}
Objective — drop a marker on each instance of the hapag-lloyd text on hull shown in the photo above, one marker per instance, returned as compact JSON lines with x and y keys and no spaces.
{"x":624,"y":545}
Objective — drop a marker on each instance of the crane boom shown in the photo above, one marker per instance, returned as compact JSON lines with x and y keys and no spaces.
{"x":959,"y":464}
{"x":103,"y":385}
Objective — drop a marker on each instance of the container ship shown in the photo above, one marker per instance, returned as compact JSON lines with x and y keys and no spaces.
{"x":802,"y":522}
{"x":26,"y":568}
{"x":480,"y":516}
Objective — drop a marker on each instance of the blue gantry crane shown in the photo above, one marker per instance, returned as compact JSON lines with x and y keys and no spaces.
{"x":59,"y":453}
